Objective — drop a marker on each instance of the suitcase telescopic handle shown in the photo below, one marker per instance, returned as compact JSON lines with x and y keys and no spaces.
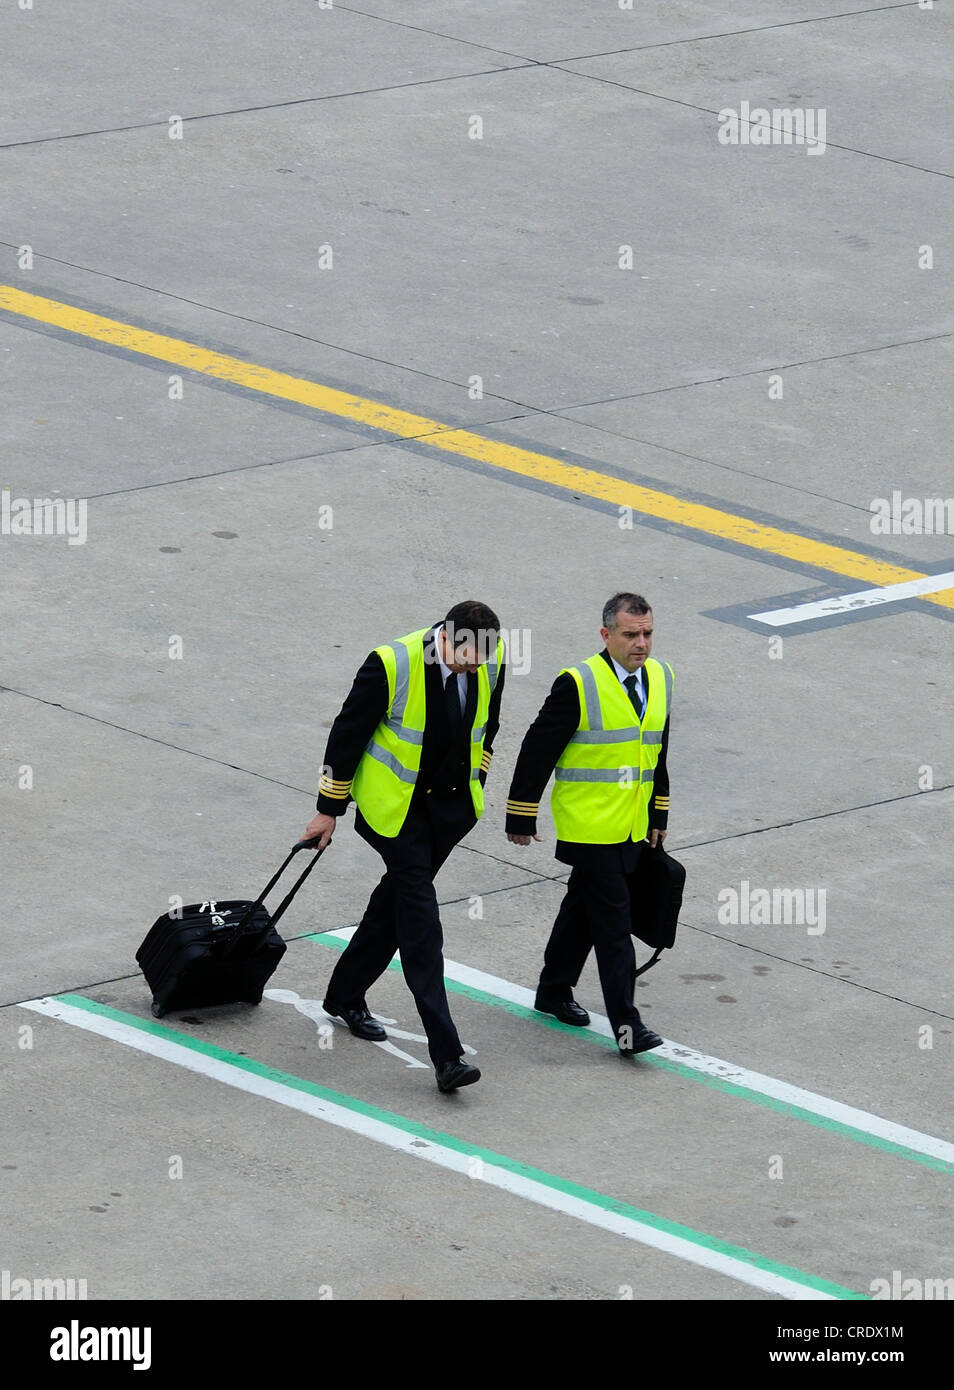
{"x":302,"y":844}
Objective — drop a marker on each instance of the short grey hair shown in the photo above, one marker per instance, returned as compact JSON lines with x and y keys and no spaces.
{"x":623,"y":603}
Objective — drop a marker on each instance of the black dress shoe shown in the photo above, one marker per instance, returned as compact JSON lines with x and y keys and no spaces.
{"x":450,"y":1075}
{"x":643,"y":1040}
{"x":567,"y":1011}
{"x":360,"y":1022}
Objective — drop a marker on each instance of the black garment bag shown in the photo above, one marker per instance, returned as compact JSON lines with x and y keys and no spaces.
{"x":655,"y":900}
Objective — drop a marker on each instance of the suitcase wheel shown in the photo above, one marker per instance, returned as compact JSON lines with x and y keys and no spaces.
{"x":157,"y":1010}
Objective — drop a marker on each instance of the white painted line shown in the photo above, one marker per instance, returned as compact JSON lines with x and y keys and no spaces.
{"x":409,"y":1141}
{"x":754,"y":1081}
{"x":865,"y":598}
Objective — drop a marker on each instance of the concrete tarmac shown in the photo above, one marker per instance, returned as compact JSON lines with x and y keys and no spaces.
{"x":519,"y":222}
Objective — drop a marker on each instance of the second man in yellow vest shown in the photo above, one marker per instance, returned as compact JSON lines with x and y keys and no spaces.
{"x":604,"y":732}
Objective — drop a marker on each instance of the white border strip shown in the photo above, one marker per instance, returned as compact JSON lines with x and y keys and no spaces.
{"x":415,"y":1147}
{"x":847,"y":603}
{"x":714,"y":1066}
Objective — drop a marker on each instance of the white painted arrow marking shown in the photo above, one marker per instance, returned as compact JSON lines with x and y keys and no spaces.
{"x":312,"y":1009}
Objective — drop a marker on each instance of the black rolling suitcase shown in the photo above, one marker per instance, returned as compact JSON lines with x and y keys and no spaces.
{"x":221,"y":951}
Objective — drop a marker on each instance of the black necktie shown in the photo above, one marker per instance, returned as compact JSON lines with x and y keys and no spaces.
{"x":634,"y":695}
{"x":452,"y":701}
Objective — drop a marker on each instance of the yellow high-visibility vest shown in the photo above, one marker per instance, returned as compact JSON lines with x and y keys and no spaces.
{"x":604,"y":778}
{"x":384,"y":781}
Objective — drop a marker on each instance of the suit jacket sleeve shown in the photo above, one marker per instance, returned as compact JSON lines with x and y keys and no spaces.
{"x":493,"y":724}
{"x":659,"y":801}
{"x":360,"y":715}
{"x":544,"y":741}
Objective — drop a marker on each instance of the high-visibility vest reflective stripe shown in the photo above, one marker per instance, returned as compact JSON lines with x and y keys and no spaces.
{"x":384,"y":781}
{"x":604,"y":779}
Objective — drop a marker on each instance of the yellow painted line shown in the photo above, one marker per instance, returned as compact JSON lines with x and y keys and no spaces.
{"x":695,"y":516}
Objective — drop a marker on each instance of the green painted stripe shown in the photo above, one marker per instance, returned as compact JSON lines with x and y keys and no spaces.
{"x":715,"y":1083}
{"x":450,"y":1141}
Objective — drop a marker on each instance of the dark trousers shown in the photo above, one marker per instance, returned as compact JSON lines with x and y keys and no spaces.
{"x":402,"y":915}
{"x":594,"y":913}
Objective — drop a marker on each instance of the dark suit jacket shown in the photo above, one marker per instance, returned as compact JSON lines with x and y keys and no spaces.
{"x":444,"y":778}
{"x":543,"y":744}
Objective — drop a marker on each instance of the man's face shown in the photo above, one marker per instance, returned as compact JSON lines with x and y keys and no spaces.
{"x":472,"y":649}
{"x":631,"y":641}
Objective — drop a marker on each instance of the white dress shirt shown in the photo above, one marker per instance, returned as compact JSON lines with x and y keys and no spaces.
{"x":624,"y":676}
{"x":446,"y":671}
